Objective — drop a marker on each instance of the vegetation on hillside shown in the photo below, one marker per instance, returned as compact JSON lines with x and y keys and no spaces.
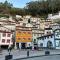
{"x":34,"y":8}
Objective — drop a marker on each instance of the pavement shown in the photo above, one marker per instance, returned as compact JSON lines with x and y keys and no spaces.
{"x":54,"y":57}
{"x":23,"y":53}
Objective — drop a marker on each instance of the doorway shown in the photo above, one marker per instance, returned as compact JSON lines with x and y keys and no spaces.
{"x":17,"y":44}
{"x":4,"y":47}
{"x":23,"y":45}
{"x":49,"y":44}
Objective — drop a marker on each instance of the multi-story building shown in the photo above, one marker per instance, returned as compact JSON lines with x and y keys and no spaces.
{"x":57,"y":38}
{"x":55,"y":26}
{"x":23,"y":37}
{"x":48,"y":31}
{"x":7,"y":29}
{"x":54,"y":17}
{"x":5,"y":38}
{"x":50,"y":41}
{"x":46,"y":41}
{"x":45,"y":24}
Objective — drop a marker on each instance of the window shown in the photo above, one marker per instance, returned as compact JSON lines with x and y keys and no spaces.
{"x":34,"y":40}
{"x":3,"y":40}
{"x":47,"y":32}
{"x":4,"y":34}
{"x":40,"y":38}
{"x":19,"y":32}
{"x":51,"y":36}
{"x":24,"y":38}
{"x":24,"y":24}
{"x":24,"y":32}
{"x":9,"y":35}
{"x":47,"y":36}
{"x":41,"y":44}
{"x":19,"y":38}
{"x":8,"y":40}
{"x":37,"y":34}
{"x":29,"y":32}
{"x":29,"y":38}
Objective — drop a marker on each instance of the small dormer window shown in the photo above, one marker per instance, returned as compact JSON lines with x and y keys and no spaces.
{"x":4,"y":34}
{"x":3,"y":40}
{"x":9,"y":35}
{"x":41,"y":44}
{"x":47,"y":36}
{"x":43,"y":38}
{"x":51,"y":36}
{"x":34,"y":40}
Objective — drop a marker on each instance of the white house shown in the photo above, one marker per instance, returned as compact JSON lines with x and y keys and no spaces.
{"x":55,"y":26}
{"x":6,"y":33}
{"x":57,"y":38}
{"x":5,"y":38}
{"x":46,"y":41}
{"x":53,"y":17}
{"x":48,"y":31}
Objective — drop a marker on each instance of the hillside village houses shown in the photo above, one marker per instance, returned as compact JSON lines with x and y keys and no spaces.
{"x":33,"y":24}
{"x":51,"y":39}
{"x":53,"y":17}
{"x":30,"y":32}
{"x":23,"y":37}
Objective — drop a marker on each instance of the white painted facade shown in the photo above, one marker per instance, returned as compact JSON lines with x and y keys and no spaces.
{"x":5,"y":38}
{"x":18,"y":16}
{"x":57,"y":38}
{"x":53,"y":17}
{"x":55,"y":26}
{"x":36,"y":33}
{"x":43,"y":41}
{"x":48,"y":31}
{"x":7,"y":30}
{"x":9,"y":26}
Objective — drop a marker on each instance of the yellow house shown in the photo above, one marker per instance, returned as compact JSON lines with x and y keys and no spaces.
{"x":24,"y":38}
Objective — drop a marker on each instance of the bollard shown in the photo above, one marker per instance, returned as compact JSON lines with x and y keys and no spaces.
{"x":7,"y":57}
{"x":47,"y":52}
{"x":27,"y":53}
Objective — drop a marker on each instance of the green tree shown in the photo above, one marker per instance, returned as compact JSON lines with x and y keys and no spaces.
{"x":43,"y":7}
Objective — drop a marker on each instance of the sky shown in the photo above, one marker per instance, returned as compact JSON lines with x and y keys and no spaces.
{"x":18,"y":3}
